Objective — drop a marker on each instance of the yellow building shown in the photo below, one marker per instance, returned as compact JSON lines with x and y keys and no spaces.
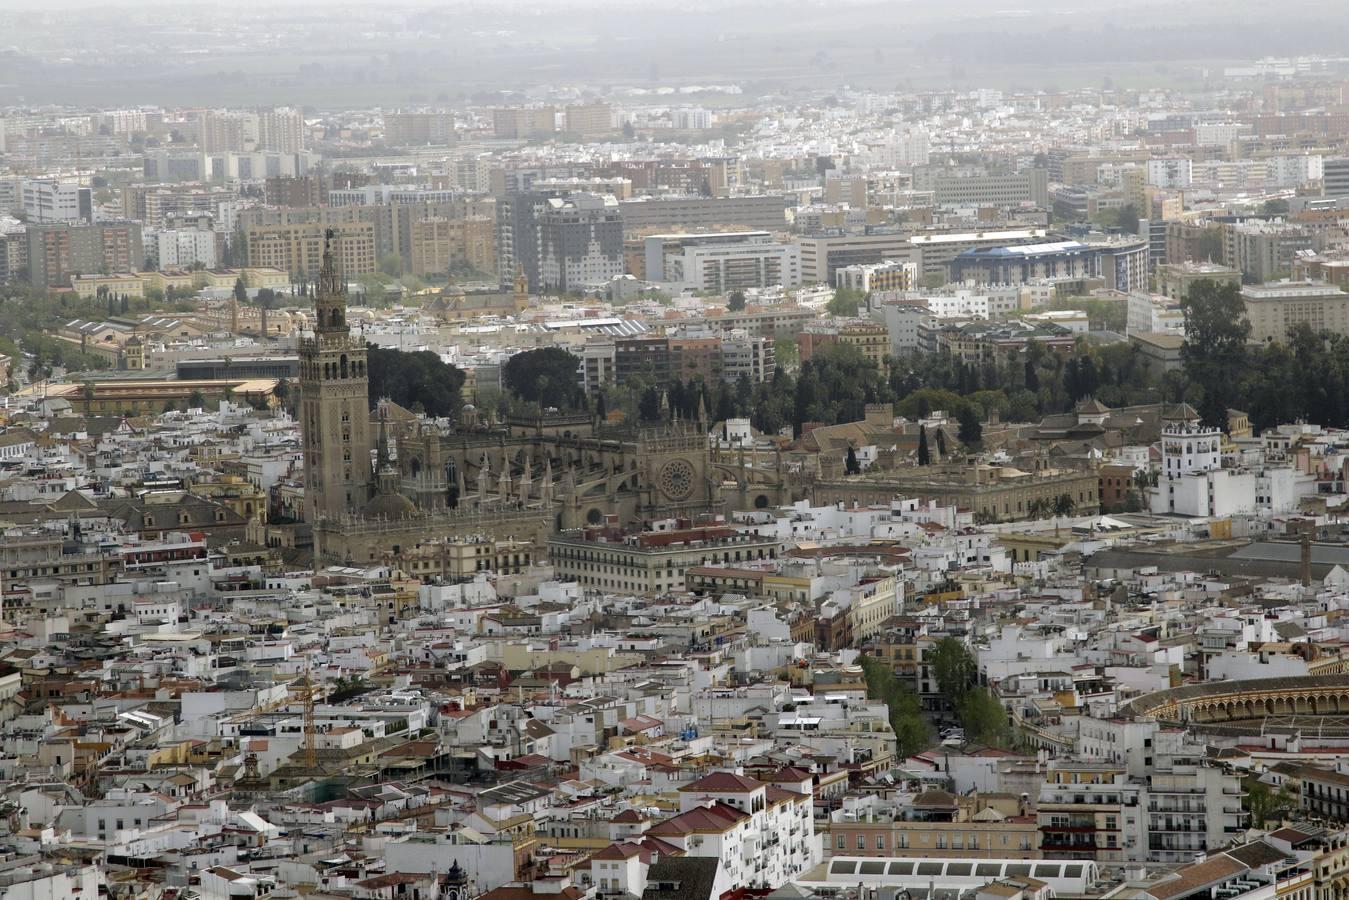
{"x":298,"y":249}
{"x":130,"y":283}
{"x":461,"y":558}
{"x":872,"y":339}
{"x":438,"y":244}
{"x":239,"y":494}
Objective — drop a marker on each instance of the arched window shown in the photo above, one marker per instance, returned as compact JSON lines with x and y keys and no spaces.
{"x":344,"y":365}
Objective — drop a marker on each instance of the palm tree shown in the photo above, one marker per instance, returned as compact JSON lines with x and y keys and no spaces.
{"x":1038,"y":508}
{"x":1064,"y":505}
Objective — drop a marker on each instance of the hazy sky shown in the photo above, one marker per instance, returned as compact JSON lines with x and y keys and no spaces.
{"x":330,"y":52}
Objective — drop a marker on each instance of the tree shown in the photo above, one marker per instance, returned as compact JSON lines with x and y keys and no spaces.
{"x":924,"y":455}
{"x":1214,"y":352}
{"x":941,"y":443}
{"x":410,"y":379}
{"x":786,"y":354}
{"x":953,"y":668}
{"x":971,"y":432}
{"x":240,"y":290}
{"x":1063,"y":505}
{"x":1126,"y":217}
{"x":1031,"y":377}
{"x":851,"y":465}
{"x":1263,"y":803}
{"x":1275,"y":207}
{"x":736,"y":301}
{"x":912,"y":732}
{"x":546,"y":376}
{"x":845,"y":302}
{"x":983,"y":718}
{"x":196,"y":400}
{"x":601,"y":408}
{"x":391,"y":264}
{"x":648,"y":409}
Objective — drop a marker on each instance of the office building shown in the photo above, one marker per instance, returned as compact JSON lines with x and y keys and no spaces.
{"x":1335,"y":177}
{"x":1274,"y":309}
{"x":49,"y":200}
{"x":721,"y":262}
{"x":1026,"y":188}
{"x":389,"y":194}
{"x":58,"y":252}
{"x":1121,"y":264}
{"x":764,"y":212}
{"x":891,"y":275}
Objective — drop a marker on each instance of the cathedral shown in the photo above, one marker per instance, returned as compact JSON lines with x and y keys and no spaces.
{"x":376,"y":490}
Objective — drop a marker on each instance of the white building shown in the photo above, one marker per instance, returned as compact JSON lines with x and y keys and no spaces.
{"x":722,"y":262}
{"x":1176,"y":172}
{"x":1153,"y":313}
{"x":51,"y":200}
{"x":1193,"y":482}
{"x":763,"y":832}
{"x":179,"y":248}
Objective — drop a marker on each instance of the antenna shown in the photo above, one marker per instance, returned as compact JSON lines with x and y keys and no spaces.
{"x":310,"y":751}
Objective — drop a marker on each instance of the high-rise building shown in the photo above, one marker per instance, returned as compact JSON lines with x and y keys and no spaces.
{"x":299,"y":249}
{"x":522,"y":121}
{"x":416,"y":129}
{"x":580,"y":242}
{"x":56,"y":252}
{"x":181,"y":247}
{"x":280,"y":130}
{"x":1335,"y":177}
{"x":589,"y":119}
{"x":334,"y":416}
{"x":293,"y":190}
{"x":441,"y":244}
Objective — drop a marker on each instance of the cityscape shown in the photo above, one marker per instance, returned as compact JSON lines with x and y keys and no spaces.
{"x":859,"y":451}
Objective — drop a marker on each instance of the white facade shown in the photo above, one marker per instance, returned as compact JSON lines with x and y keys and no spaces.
{"x":720,"y":263}
{"x":181,"y":247}
{"x":49,"y":200}
{"x":1154,"y":313}
{"x":1176,"y":172}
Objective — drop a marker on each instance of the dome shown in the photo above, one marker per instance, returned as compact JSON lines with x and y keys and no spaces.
{"x":390,"y":506}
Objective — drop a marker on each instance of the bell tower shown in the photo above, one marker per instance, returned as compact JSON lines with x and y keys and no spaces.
{"x":334,"y":403}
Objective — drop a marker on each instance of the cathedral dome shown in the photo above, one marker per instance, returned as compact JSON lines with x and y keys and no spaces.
{"x":390,"y":506}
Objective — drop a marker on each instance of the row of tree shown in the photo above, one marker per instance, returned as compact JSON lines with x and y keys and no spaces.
{"x":981,"y":713}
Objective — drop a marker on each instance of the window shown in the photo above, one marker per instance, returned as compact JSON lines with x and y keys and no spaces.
{"x":861,"y":842}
